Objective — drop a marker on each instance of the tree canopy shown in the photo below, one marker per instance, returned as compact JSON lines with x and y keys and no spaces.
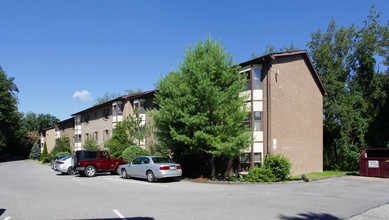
{"x":347,"y":60}
{"x":201,"y":112}
{"x":9,"y":115}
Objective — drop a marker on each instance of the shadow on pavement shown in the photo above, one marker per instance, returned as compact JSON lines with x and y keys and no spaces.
{"x":2,"y":211}
{"x":10,"y":158}
{"x":306,"y":216}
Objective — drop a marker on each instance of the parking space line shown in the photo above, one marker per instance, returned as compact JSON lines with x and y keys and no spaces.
{"x":119,"y":214}
{"x":8,"y":218}
{"x":76,"y":180}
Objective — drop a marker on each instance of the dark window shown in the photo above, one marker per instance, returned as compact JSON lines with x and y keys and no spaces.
{"x":145,"y":160}
{"x":161,"y":160}
{"x":136,"y":161}
{"x":104,"y":155}
{"x":90,"y":155}
{"x":86,"y":118}
{"x":106,"y":113}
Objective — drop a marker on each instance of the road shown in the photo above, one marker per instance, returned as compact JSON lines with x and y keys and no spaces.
{"x":29,"y":190}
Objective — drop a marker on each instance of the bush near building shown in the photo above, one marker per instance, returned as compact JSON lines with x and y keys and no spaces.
{"x":134,"y":151}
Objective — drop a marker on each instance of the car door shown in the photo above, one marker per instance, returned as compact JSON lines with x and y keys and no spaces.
{"x":145,"y":165}
{"x":133,"y":169}
{"x":103,"y":162}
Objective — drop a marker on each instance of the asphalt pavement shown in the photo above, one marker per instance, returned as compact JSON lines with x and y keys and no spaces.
{"x":29,"y":190}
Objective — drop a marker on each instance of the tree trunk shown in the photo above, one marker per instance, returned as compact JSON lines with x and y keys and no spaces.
{"x":213,"y":169}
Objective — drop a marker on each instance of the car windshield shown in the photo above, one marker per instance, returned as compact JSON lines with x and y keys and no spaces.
{"x":161,"y":160}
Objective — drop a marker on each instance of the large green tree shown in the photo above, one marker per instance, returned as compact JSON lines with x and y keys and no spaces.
{"x":9,"y":116}
{"x":201,"y":112}
{"x":346,"y":60}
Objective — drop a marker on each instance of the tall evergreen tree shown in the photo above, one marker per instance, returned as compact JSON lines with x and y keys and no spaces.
{"x":201,"y":112}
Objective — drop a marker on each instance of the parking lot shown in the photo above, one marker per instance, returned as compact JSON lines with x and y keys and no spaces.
{"x":29,"y":190}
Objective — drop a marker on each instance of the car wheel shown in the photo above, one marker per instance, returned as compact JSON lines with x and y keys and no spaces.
{"x":124,"y":174}
{"x":90,"y":171}
{"x":151,"y":177}
{"x":71,"y":171}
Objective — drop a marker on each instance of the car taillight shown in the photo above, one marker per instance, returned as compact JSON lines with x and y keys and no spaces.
{"x":60,"y":162}
{"x":164,"y":168}
{"x":178,"y":167}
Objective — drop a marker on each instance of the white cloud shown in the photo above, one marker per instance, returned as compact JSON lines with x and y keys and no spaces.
{"x":84,"y":95}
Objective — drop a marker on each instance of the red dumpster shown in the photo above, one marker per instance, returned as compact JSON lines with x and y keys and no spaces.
{"x":374,"y":162}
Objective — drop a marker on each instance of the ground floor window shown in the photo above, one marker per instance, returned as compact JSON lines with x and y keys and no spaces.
{"x":245,"y":161}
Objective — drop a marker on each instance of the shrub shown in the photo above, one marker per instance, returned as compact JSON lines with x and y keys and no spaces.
{"x":259,"y":174}
{"x":62,"y":144}
{"x":133,"y":152}
{"x":278,"y":165}
{"x":35,"y":152}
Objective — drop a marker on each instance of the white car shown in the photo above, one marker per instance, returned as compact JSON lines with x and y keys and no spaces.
{"x":151,"y":168}
{"x":66,"y":165}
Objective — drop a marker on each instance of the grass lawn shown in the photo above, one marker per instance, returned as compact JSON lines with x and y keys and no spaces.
{"x":322,"y":174}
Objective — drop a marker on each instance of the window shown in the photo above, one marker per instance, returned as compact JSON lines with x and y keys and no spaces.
{"x":245,"y":159}
{"x":120,"y":108}
{"x":257,"y":121}
{"x":136,"y":161}
{"x":96,"y":136}
{"x":104,"y":155}
{"x":77,"y":138}
{"x":106,"y":113}
{"x":114,"y":110}
{"x":90,"y":155}
{"x":77,"y":120}
{"x":106,"y":135}
{"x":145,"y":160}
{"x":257,"y":77}
{"x":86,"y":135}
{"x":86,"y":118}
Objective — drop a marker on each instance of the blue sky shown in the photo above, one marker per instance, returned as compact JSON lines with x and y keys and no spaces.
{"x":66,"y":53}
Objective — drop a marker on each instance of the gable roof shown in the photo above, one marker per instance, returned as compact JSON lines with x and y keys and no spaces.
{"x":121,"y":98}
{"x":272,"y":56}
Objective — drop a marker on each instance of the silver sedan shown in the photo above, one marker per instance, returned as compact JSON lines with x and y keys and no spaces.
{"x":151,"y":168}
{"x":65,"y":165}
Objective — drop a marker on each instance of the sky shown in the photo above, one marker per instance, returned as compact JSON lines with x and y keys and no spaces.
{"x":64,"y":54}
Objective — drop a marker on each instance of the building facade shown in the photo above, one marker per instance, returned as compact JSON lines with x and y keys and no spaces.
{"x":284,"y":100}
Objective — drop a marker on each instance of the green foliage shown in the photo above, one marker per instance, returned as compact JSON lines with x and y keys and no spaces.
{"x":278,"y":165}
{"x":130,"y":91}
{"x":134,"y":151}
{"x":44,"y":156}
{"x":276,"y":168}
{"x":9,"y":116}
{"x":35,"y":152}
{"x":63,"y":154}
{"x":130,"y":131}
{"x":200,"y":108}
{"x":91,"y":144}
{"x":62,"y":144}
{"x":346,"y":60}
{"x":271,"y":49}
{"x":259,"y":174}
{"x":37,"y":122}
{"x":106,"y":97}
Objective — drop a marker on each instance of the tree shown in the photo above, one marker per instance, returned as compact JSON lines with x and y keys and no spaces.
{"x":44,"y":155}
{"x":346,"y":59}
{"x":130,"y":131}
{"x":271,"y":49}
{"x":91,"y":144}
{"x":62,"y":144}
{"x":36,"y":122}
{"x":9,"y":116}
{"x":201,"y":112}
{"x":107,"y":97}
{"x":35,"y":152}
{"x":134,"y":151}
{"x":130,"y":91}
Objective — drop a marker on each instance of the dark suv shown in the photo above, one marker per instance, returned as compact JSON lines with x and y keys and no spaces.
{"x":90,"y":162}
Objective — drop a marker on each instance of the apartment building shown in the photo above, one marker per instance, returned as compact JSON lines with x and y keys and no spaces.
{"x":99,"y":121}
{"x":285,"y":101}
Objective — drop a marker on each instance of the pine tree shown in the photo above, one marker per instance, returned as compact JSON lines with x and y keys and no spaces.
{"x":44,"y":154}
{"x":35,"y":152}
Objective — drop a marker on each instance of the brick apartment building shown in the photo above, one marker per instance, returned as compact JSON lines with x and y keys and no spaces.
{"x":285,"y":101}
